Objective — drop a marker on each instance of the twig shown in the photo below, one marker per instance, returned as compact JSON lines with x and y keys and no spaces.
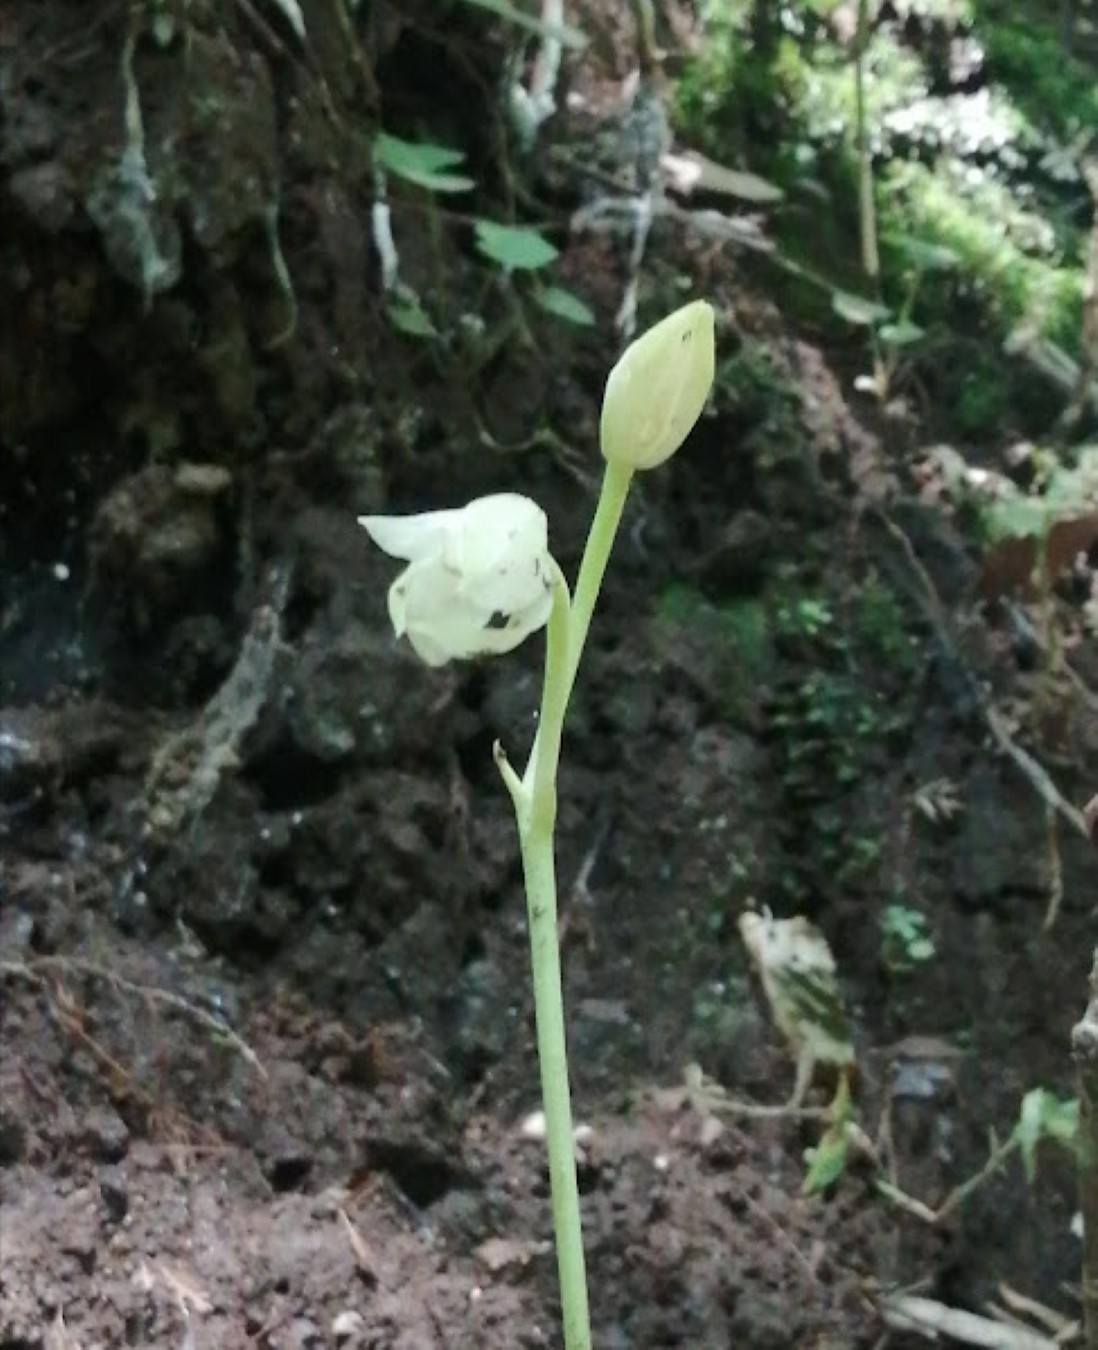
{"x":187,"y":768}
{"x":932,"y":607}
{"x":956,"y":1198}
{"x":29,"y":970}
{"x":1084,"y":1048}
{"x":1056,"y":872}
{"x":1055,"y":1322}
{"x":929,"y":1318}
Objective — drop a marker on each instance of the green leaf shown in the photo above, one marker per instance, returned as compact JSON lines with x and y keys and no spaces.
{"x":409,"y":317}
{"x":901,"y":334}
{"x":827,"y":1161}
{"x":857,"y":309}
{"x":421,"y":163}
{"x":1017,"y":517}
{"x":514,"y":246}
{"x":564,"y":305}
{"x":1045,"y":1116}
{"x":924,"y":254}
{"x":564,"y":34}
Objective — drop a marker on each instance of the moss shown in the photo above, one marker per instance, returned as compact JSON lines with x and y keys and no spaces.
{"x":880,"y":626}
{"x":727,"y":649}
{"x":1029,"y":55}
{"x":1008,"y":257}
{"x":981,"y":403}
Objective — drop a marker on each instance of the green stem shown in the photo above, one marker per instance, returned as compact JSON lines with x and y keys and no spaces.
{"x":535,"y":801}
{"x":537,"y":810}
{"x":600,"y":541}
{"x":541,"y":902}
{"x":615,"y":488}
{"x":867,"y":208}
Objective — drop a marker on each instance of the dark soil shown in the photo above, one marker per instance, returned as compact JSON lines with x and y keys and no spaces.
{"x":268,"y":1060}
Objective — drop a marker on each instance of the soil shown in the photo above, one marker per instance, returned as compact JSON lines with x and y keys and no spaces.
{"x":268,"y":1070}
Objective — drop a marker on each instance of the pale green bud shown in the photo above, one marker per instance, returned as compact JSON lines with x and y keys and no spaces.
{"x":658,"y":389}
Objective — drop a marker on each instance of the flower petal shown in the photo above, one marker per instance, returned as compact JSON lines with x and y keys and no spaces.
{"x":502,"y":552}
{"x":479,"y":580}
{"x":411,"y":538}
{"x":444,"y":620}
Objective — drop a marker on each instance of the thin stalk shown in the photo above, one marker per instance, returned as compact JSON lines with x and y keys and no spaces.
{"x":541,"y":903}
{"x":600,"y":541}
{"x":867,"y":207}
{"x":536,"y":806}
{"x":1084,"y":1042}
{"x":535,"y":801}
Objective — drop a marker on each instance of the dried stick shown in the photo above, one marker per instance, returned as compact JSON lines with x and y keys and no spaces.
{"x":32,"y":971}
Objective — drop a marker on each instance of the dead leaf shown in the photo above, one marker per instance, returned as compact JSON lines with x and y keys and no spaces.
{"x":690,"y":172}
{"x":499,"y":1254}
{"x":184,"y":1289}
{"x":1009,"y":565}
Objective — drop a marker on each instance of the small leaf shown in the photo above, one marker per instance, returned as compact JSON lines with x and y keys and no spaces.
{"x":827,"y":1161}
{"x":857,"y":309}
{"x":409,"y":317}
{"x":925,"y":255}
{"x":1017,"y":517}
{"x":902,"y":333}
{"x":1044,"y":1116}
{"x":422,"y":163}
{"x":565,"y":35}
{"x":564,"y":305}
{"x":514,"y":246}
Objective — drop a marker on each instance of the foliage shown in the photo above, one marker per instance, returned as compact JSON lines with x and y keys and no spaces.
{"x":982,"y":171}
{"x":905,"y":939}
{"x":1044,"y":1116}
{"x":514,"y":247}
{"x":422,"y":163}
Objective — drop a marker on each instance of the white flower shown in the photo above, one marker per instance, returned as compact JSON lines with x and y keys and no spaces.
{"x":658,"y":389}
{"x":479,"y":580}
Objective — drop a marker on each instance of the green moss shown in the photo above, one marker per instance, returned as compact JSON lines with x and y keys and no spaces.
{"x":880,"y":626}
{"x":1008,"y":258}
{"x":980,"y":399}
{"x":727,"y":649}
{"x":1030,"y":56}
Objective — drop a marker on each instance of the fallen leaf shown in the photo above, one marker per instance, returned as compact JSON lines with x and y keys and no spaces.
{"x":1009,"y":565}
{"x":691,"y":172}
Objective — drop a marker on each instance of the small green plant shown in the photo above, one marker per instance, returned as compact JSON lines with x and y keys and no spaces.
{"x":906,"y":943}
{"x":516,"y":250}
{"x":480,"y":580}
{"x":806,"y":616}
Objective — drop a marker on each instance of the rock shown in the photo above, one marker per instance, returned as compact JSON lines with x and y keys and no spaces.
{"x":347,"y":1324}
{"x":13,"y":1138}
{"x":30,"y":759}
{"x":741,"y":556}
{"x":159,"y":545}
{"x":114,"y":1189}
{"x":105,"y":1134}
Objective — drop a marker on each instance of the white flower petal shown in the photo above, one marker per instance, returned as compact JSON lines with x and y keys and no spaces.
{"x":412,"y":538}
{"x":502,"y":552}
{"x":480,"y":580}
